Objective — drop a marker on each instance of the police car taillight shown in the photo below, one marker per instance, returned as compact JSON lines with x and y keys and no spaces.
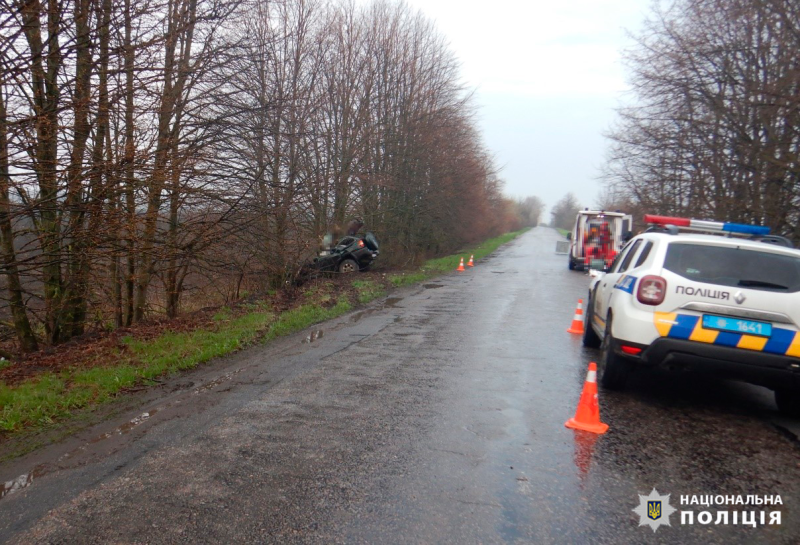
{"x":632,"y":350}
{"x":652,"y":290}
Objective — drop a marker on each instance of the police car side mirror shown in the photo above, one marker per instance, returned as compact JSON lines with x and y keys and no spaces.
{"x":569,"y":236}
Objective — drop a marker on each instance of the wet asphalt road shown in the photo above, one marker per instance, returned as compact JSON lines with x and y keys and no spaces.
{"x":433,"y":416}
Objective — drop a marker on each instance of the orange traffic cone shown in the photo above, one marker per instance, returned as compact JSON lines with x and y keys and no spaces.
{"x":471,"y":264}
{"x":577,"y":320}
{"x":461,"y":265}
{"x":587,"y":416}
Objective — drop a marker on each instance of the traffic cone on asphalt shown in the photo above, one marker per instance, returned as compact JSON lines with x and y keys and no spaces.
{"x":577,"y":320}
{"x":471,"y":264}
{"x":587,"y":416}
{"x":461,"y":265}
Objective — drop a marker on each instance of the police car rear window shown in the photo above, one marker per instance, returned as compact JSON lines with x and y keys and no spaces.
{"x":729,"y":266}
{"x":644,"y":254}
{"x":629,"y":256}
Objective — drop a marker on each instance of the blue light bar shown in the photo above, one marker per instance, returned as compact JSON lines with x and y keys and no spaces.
{"x":745,"y":229}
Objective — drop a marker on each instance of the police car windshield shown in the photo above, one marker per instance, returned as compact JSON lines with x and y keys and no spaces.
{"x":729,"y":266}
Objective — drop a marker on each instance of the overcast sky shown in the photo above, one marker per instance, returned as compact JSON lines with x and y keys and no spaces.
{"x":547,"y":77}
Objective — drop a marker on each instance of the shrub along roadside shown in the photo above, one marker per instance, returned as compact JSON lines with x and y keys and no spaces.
{"x":38,"y":402}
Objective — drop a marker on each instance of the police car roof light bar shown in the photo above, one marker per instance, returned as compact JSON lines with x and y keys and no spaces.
{"x":703,"y":225}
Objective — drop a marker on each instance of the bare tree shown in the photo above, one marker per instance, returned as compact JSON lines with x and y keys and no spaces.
{"x":564,"y":211}
{"x":150,"y":147}
{"x":714,"y":132}
{"x":530,"y":210}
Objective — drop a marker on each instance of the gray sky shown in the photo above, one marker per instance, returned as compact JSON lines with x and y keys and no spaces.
{"x":547,"y":77}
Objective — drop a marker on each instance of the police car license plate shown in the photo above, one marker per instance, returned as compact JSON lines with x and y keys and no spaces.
{"x":737,"y":325}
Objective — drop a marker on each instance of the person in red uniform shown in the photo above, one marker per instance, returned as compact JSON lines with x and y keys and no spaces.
{"x":605,"y":246}
{"x":599,"y":244}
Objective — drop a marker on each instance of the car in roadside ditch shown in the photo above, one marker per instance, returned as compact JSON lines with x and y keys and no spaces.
{"x":725,"y":305}
{"x":351,"y":254}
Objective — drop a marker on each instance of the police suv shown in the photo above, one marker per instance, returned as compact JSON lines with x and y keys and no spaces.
{"x":728,"y":305}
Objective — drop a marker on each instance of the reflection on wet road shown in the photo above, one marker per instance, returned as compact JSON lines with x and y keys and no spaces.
{"x":434,"y":416}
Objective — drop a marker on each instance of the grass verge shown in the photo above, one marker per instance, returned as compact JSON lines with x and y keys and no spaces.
{"x":434,"y":267}
{"x":37,"y":403}
{"x":304,"y":316}
{"x":368,"y":290}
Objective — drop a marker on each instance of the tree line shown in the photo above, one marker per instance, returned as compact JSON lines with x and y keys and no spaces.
{"x":714,"y":129}
{"x":161,"y":154}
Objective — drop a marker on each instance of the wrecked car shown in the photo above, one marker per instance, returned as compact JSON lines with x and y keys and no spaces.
{"x":352,"y":253}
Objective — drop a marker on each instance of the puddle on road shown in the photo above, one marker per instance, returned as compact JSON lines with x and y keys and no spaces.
{"x":217,"y":381}
{"x":390,"y":302}
{"x":128,"y":426}
{"x":432,"y":286}
{"x":584,"y":452}
{"x":358,"y":315}
{"x":22,"y":481}
{"x":26,"y":479}
{"x":313,"y":336}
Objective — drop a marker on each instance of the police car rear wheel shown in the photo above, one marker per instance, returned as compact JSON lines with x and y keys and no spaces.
{"x":788,"y":402}
{"x":612,"y":370}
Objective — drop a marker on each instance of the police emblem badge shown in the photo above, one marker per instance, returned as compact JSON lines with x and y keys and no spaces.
{"x":654,"y":510}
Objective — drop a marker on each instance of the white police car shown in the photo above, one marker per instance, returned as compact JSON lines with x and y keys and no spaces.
{"x":726,"y":305}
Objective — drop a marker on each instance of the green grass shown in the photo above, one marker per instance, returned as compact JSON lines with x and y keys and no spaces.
{"x":39,"y":402}
{"x":406,"y":279}
{"x":563,"y":232}
{"x":304,"y":316}
{"x":368,"y":290}
{"x":173,"y":352}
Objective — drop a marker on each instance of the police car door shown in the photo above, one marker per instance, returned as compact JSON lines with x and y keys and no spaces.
{"x":613,"y":281}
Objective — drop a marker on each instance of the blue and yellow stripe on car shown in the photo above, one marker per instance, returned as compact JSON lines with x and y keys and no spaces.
{"x":626,"y":282}
{"x":686,"y":326}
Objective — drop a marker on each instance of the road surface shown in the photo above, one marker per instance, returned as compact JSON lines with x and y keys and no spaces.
{"x":433,"y":416}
